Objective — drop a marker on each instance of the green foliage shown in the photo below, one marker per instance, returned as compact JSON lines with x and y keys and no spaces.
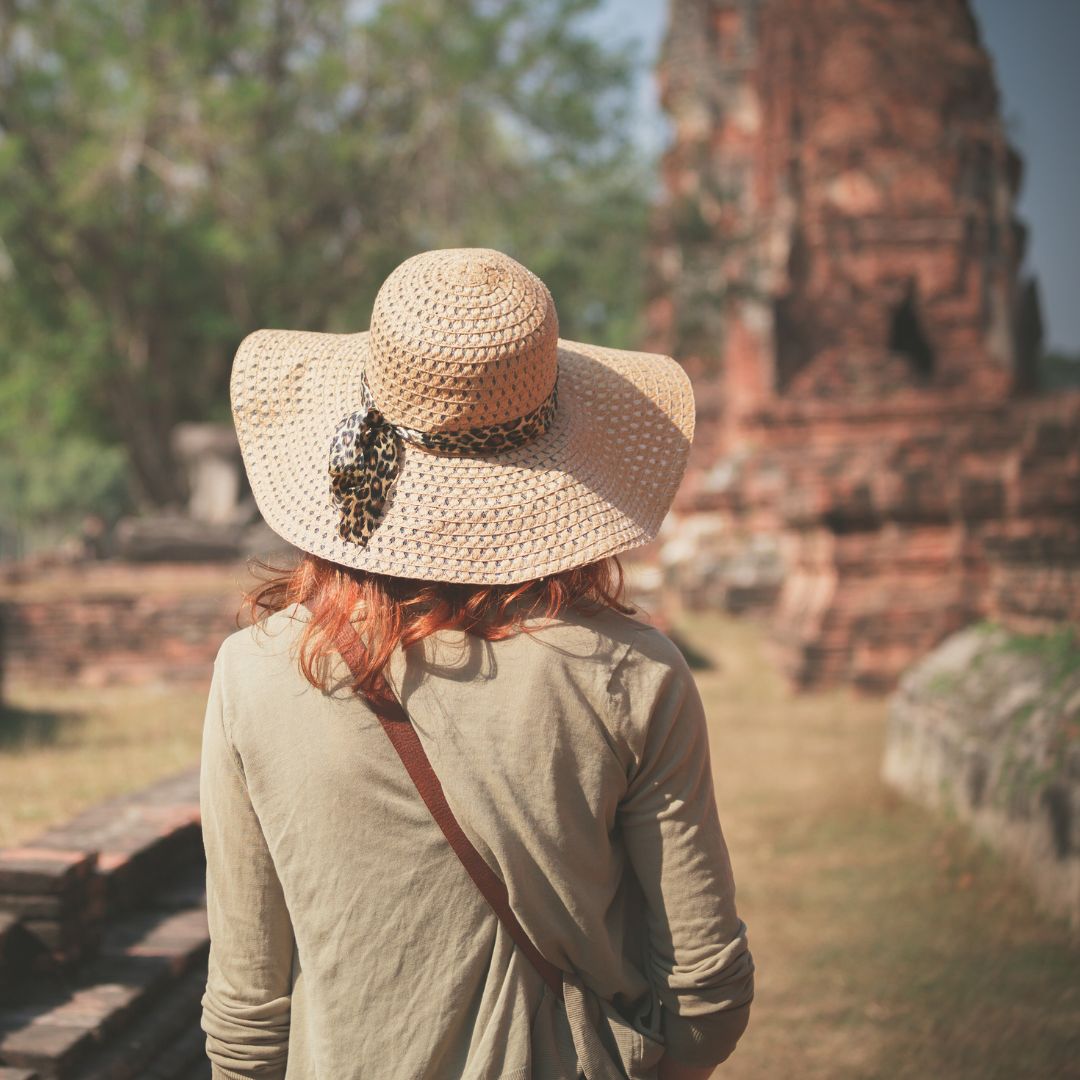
{"x":942,"y":683}
{"x":173,"y":176}
{"x":1058,"y":651}
{"x":1059,"y":371}
{"x":59,"y":484}
{"x":1058,"y":655}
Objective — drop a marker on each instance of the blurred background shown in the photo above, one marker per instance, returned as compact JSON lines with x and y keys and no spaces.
{"x":853,"y":221}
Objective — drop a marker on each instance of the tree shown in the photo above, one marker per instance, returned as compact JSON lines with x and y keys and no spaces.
{"x":1059,"y":371}
{"x":173,"y":176}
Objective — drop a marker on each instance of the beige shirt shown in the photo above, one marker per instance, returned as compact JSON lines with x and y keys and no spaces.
{"x":348,"y":941}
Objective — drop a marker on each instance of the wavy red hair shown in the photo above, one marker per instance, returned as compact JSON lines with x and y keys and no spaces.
{"x":390,"y":611}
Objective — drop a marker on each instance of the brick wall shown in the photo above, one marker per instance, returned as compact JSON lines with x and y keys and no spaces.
{"x":100,"y":623}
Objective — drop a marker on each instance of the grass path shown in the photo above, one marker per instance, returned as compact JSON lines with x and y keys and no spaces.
{"x":888,"y":943}
{"x":63,"y":749}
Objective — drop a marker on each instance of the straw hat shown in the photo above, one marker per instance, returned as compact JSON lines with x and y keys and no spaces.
{"x":460,"y":439}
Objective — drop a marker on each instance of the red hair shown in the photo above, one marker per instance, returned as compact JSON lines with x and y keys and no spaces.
{"x":390,"y":611}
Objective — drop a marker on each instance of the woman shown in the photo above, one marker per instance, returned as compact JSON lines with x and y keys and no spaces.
{"x":459,"y":482}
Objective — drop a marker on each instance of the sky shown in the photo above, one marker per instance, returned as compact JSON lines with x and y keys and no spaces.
{"x":1034,"y":45}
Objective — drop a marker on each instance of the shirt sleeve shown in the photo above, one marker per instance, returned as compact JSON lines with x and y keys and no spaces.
{"x":701,"y":965}
{"x":247,"y":1003}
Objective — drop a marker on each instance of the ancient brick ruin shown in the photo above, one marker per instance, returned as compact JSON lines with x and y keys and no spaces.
{"x":104,"y":942}
{"x":838,"y":263}
{"x":104,"y":623}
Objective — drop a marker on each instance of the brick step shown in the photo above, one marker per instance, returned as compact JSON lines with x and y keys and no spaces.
{"x":139,"y":837}
{"x":113,"y":857}
{"x":59,"y":900}
{"x":10,"y":935}
{"x":61,"y":1021}
{"x":154,"y":1038}
{"x":45,"y":870}
{"x":184,"y":1058}
{"x":18,"y":1074}
{"x":43,"y":905}
{"x":18,"y":952}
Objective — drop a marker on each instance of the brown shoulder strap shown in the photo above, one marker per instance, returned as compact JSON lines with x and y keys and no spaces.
{"x":395,"y":722}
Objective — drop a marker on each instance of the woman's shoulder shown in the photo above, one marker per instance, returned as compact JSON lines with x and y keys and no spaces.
{"x":622,"y":639}
{"x":270,"y":637}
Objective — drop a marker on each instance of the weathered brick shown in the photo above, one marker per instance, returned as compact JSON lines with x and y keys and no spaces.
{"x":43,"y":869}
{"x":179,"y":938}
{"x":52,"y":1049}
{"x":141,"y":838}
{"x":864,"y":370}
{"x":105,"y":623}
{"x":36,"y":905}
{"x":130,"y":1054}
{"x":183,"y":1058}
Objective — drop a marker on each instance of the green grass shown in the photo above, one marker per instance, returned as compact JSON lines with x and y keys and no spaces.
{"x":62,"y":749}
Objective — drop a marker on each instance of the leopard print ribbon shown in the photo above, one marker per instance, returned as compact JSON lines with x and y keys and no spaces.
{"x":365,"y":453}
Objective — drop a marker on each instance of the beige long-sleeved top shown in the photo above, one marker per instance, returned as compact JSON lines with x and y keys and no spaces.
{"x":347,"y":940}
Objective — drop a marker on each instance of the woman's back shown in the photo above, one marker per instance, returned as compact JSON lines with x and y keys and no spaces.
{"x":354,"y":944}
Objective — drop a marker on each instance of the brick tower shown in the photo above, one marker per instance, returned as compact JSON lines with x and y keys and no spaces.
{"x":839,"y":219}
{"x":838,"y":263}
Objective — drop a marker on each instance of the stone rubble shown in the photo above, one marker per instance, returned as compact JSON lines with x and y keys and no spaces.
{"x":987,"y":727}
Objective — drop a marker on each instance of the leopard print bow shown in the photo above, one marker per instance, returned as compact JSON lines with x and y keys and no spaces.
{"x":365,"y":451}
{"x":363,"y":462}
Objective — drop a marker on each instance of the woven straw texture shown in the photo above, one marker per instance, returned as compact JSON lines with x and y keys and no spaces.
{"x":461,"y":338}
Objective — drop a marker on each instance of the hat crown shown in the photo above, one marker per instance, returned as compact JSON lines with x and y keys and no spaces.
{"x":461,"y":338}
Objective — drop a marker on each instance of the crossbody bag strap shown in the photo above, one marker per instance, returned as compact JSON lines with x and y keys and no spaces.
{"x":397,"y":725}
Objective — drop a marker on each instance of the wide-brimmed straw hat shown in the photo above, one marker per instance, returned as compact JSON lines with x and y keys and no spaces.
{"x":460,"y":439}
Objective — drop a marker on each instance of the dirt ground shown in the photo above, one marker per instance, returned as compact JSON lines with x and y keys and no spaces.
{"x":888,"y":943}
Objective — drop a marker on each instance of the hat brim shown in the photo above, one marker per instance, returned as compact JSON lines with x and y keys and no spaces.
{"x":598,"y":482}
